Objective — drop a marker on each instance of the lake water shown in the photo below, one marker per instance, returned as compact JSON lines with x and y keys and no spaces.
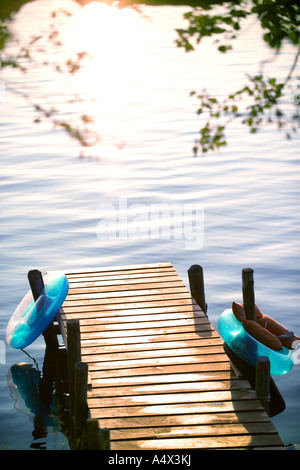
{"x":233,"y":209}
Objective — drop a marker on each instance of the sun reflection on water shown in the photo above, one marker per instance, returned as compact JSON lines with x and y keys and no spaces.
{"x":115,"y":66}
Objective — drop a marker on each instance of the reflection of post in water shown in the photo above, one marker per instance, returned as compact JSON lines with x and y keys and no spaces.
{"x":42,"y":394}
{"x":39,"y":394}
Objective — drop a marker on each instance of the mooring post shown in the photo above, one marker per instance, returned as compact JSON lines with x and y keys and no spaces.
{"x":248,"y":293}
{"x":80,"y":404}
{"x":37,"y":285}
{"x":36,"y":282}
{"x":97,"y":438}
{"x":262,"y":382}
{"x":196,"y":280}
{"x":74,"y":355}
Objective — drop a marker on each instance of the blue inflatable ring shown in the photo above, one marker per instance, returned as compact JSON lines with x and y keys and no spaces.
{"x":31,"y":318}
{"x":248,"y":348}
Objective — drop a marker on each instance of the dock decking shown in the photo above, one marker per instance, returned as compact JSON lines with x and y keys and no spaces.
{"x":159,"y":377}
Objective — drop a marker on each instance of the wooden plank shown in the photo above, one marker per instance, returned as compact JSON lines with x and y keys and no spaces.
{"x":147,"y":292}
{"x":151,"y":348}
{"x":142,"y":389}
{"x":87,"y":318}
{"x":149,"y":339}
{"x":121,"y":268}
{"x":119,"y":276}
{"x":101,"y":326}
{"x":119,"y":281}
{"x":169,"y":303}
{"x":131,"y":316}
{"x":131,"y":289}
{"x":130,"y":297}
{"x":192,"y":329}
{"x":183,"y":408}
{"x":191,"y":419}
{"x":161,"y":432}
{"x":157,"y":370}
{"x":125,"y":355}
{"x":216,"y":442}
{"x":146,"y":321}
{"x":173,"y":398}
{"x":161,"y":361}
{"x":179,"y":378}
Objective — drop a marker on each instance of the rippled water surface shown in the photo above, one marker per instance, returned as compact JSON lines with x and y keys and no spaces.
{"x":136,"y":84}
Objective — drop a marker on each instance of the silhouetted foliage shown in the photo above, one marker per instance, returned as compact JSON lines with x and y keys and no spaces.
{"x":80,"y":131}
{"x":280,"y":23}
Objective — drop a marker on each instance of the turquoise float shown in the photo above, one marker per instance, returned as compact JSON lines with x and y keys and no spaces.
{"x":250,"y":349}
{"x":32,"y":317}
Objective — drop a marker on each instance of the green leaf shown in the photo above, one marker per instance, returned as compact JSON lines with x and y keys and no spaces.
{"x":224,"y":49}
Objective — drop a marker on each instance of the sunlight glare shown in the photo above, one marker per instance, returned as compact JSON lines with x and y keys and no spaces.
{"x":111,"y":37}
{"x":117,"y":64}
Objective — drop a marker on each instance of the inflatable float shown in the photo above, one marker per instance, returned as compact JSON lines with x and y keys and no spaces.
{"x":250,"y":339}
{"x":32,"y":317}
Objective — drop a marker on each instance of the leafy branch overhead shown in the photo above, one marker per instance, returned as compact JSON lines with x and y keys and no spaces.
{"x":260,"y":101}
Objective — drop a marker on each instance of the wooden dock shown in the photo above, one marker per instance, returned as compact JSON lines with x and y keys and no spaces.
{"x":158,"y":374}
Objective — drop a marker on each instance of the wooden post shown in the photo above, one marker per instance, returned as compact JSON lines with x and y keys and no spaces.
{"x":50,"y":335}
{"x":196,"y":280}
{"x":80,"y":404}
{"x":97,"y":438}
{"x":248,"y":293}
{"x":37,"y":285}
{"x":36,"y":282}
{"x":262,"y":382}
{"x":74,"y":355}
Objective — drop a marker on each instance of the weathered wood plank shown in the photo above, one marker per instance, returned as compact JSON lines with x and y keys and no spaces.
{"x":157,"y":370}
{"x":179,"y":377}
{"x":161,"y":432}
{"x":87,"y":318}
{"x":121,"y":276}
{"x":173,"y":398}
{"x":130,"y":297}
{"x":183,"y":408}
{"x":125,"y":355}
{"x":150,"y":339}
{"x":217,"y":442}
{"x":101,"y":326}
{"x":253,"y":416}
{"x":123,"y":268}
{"x":171,"y":280}
{"x":128,"y":349}
{"x":169,"y":304}
{"x":99,"y":291}
{"x":192,"y":329}
{"x":157,"y":361}
{"x":111,"y":293}
{"x":142,"y":389}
